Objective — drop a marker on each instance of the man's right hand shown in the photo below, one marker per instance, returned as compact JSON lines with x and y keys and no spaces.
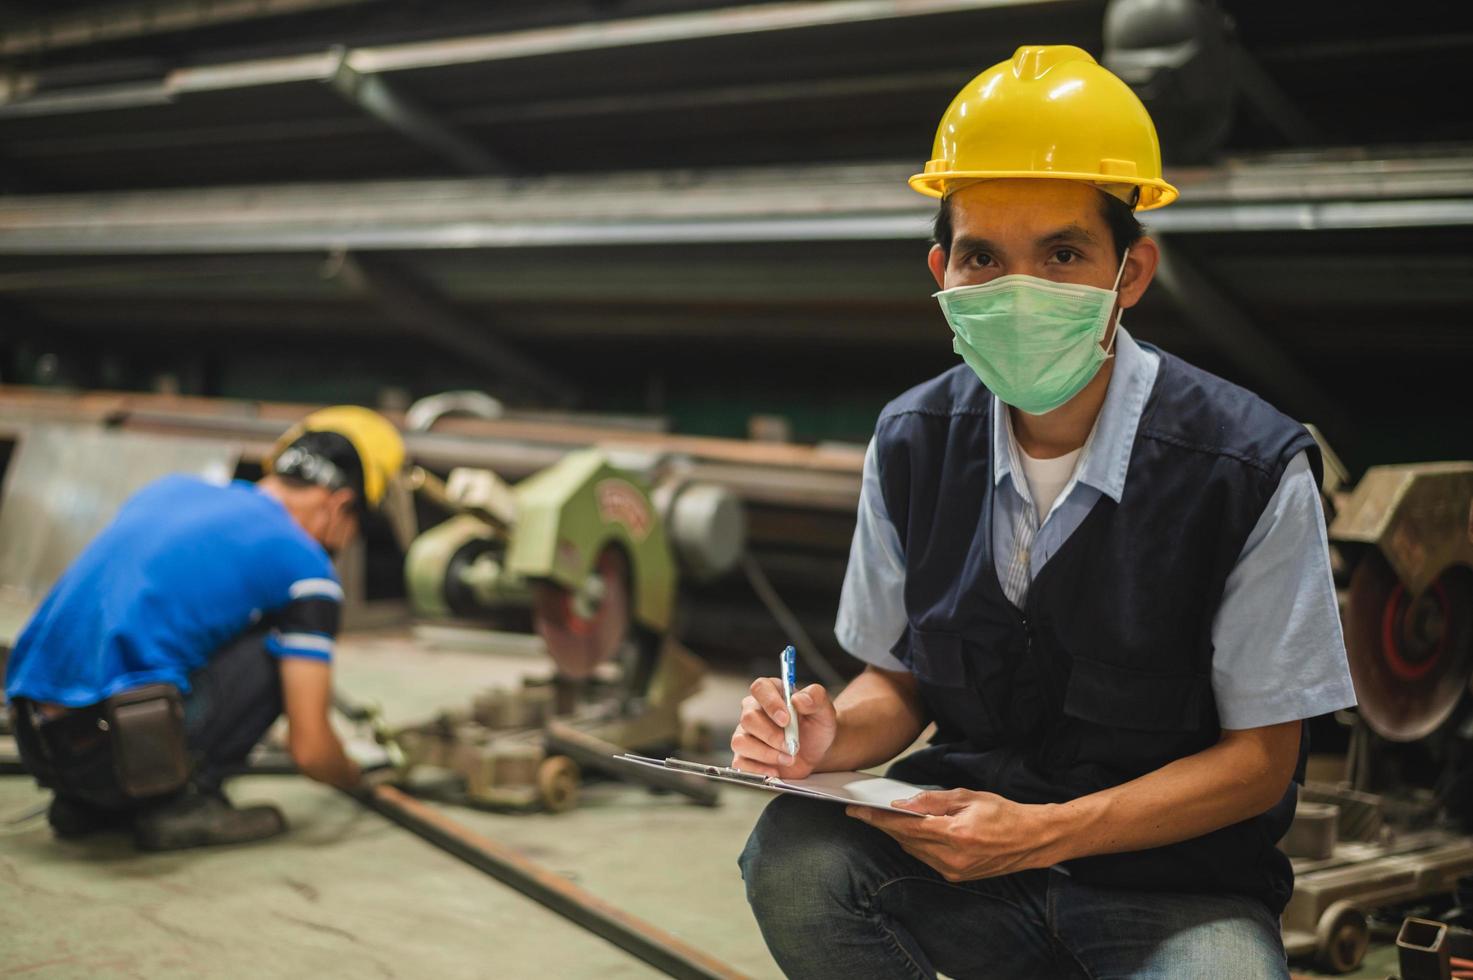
{"x":758,"y":743}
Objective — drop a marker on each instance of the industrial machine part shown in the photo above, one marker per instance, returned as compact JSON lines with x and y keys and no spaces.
{"x":1431,"y":950}
{"x":1403,"y":551}
{"x":592,"y":752}
{"x":423,"y":414}
{"x":520,"y":749}
{"x":1423,"y":951}
{"x":1409,"y":609}
{"x":1314,"y":831}
{"x":651,"y":944}
{"x":592,"y":558}
{"x":371,"y":717}
{"x":1326,"y":917}
{"x":582,"y":543}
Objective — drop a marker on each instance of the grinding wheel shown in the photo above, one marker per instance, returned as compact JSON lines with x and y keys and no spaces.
{"x":585,"y":628}
{"x":1410,"y":656}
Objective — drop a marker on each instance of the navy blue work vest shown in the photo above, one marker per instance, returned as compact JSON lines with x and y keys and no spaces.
{"x":1105,"y":674}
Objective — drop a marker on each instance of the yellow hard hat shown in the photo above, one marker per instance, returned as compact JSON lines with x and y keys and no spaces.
{"x":378,"y":444}
{"x":1049,"y":112}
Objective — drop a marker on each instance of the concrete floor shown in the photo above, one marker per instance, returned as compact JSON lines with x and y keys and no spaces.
{"x":346,"y":893}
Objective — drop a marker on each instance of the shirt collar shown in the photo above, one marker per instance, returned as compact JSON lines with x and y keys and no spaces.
{"x":1106,"y":455}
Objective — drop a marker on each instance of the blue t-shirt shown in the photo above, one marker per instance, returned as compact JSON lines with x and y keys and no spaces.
{"x":185,"y":567}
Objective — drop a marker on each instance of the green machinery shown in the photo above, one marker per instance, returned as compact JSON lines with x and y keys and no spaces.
{"x":593,"y":556}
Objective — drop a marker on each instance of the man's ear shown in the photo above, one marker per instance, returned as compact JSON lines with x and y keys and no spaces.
{"x":936,"y":261}
{"x":1140,"y":269}
{"x":342,"y":500}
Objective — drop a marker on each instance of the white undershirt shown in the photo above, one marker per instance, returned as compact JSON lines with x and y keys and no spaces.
{"x":1047,"y":478}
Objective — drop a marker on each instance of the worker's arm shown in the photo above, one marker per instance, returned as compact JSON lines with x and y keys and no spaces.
{"x":306,"y":687}
{"x":969,"y":835}
{"x":873,"y":719}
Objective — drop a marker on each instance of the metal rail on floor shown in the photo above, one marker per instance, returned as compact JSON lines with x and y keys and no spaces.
{"x":651,"y":944}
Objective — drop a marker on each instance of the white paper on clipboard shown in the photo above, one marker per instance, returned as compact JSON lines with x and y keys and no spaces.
{"x":857,"y":788}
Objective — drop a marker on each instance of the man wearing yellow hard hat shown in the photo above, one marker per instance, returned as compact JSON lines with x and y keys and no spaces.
{"x":175,"y":640}
{"x":1101,"y":572}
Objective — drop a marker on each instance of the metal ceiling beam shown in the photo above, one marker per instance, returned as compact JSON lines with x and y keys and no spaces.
{"x":1265,"y":94}
{"x":16,"y":100}
{"x":118,"y":22}
{"x":1217,"y":319}
{"x":586,"y":36}
{"x":424,"y":314}
{"x":521,"y":110}
{"x":809,"y":203}
{"x":404,"y":115}
{"x":133,"y":272}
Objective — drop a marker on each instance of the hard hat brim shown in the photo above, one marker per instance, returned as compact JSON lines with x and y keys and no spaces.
{"x":1155,"y":193}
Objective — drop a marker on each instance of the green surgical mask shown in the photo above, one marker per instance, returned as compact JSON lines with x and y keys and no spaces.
{"x":1034,"y":343}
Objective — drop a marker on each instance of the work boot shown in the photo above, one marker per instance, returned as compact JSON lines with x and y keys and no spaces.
{"x":199,"y":818}
{"x":71,"y":819}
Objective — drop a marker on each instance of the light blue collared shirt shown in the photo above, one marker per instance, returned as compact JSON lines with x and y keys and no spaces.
{"x":1278,"y":653}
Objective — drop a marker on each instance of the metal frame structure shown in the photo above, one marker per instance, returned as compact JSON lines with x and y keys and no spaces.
{"x":761,"y":18}
{"x":1289,"y":193}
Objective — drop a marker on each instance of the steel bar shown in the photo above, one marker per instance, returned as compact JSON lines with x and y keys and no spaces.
{"x":1271,"y":101}
{"x":572,"y":38}
{"x":649,"y":943}
{"x":815,"y":479}
{"x":423,"y":313}
{"x":1219,"y":321}
{"x":117,"y":22}
{"x":381,"y":100}
{"x":592,"y":752}
{"x":1331,"y":191}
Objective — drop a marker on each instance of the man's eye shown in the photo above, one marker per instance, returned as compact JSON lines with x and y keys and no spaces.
{"x":1064,"y":256}
{"x":981,"y":258}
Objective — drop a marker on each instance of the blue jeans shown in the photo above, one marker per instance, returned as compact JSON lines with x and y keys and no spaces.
{"x":837,"y":898}
{"x":233,"y":700}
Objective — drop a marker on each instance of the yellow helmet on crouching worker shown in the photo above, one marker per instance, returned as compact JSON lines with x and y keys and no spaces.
{"x":378,"y":445}
{"x":1052,"y":112}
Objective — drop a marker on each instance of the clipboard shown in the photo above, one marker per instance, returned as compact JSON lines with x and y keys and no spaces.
{"x":850,"y":788}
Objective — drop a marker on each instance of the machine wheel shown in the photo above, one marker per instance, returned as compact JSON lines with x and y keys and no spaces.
{"x":1341,"y":938}
{"x":585,"y":628}
{"x":557,"y":783}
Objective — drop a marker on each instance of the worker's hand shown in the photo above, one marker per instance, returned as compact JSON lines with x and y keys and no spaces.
{"x":967,"y":835}
{"x":758,"y":743}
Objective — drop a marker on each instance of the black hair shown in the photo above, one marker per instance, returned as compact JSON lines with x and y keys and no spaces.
{"x":336,"y":449}
{"x":1119,"y":218}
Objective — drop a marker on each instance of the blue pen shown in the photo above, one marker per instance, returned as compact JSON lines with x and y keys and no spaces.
{"x":789,"y":668}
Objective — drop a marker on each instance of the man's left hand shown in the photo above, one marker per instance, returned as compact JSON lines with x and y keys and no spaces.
{"x":966,"y":835}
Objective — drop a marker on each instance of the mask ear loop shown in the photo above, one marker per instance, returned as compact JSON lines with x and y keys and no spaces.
{"x":1119,"y":274}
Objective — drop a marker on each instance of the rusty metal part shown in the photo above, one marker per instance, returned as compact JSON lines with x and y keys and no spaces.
{"x":1366,"y":876}
{"x":498,"y":746}
{"x":558,"y":780}
{"x":1341,"y":938}
{"x":1419,"y":516}
{"x":592,"y":752}
{"x":824,"y":477}
{"x":648,"y":942}
{"x":1358,"y":815}
{"x":1422,"y":950}
{"x":1312,"y":834}
{"x":586,"y":628}
{"x":1411,"y":655}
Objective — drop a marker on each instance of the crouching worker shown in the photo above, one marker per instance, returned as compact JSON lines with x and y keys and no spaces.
{"x":171,"y":645}
{"x":1100,"y":571}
